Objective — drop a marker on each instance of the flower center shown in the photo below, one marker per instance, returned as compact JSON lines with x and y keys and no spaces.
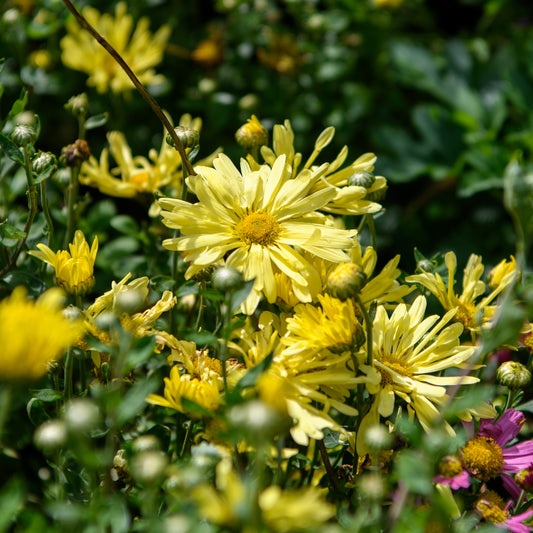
{"x":258,"y":228}
{"x":465,"y":315}
{"x":491,"y":507}
{"x":450,"y":466}
{"x":483,"y":457}
{"x":395,"y":363}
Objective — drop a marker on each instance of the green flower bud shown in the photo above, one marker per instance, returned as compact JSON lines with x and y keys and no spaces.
{"x":22,"y":135}
{"x":372,"y":486}
{"x":378,"y":438}
{"x":81,"y":415}
{"x":227,"y":279}
{"x":51,"y":435}
{"x":146,"y":443}
{"x":189,"y":138}
{"x":362,"y":179}
{"x":44,"y":161}
{"x":345,"y":281}
{"x":78,"y":105}
{"x":149,"y":466}
{"x":513,"y":375}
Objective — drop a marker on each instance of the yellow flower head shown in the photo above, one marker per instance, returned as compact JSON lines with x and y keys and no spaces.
{"x":136,"y":175}
{"x":33,"y":333}
{"x":348,"y":199}
{"x":74,"y":269}
{"x":179,"y":386}
{"x":252,"y":134}
{"x":471,"y":311}
{"x":408,"y":350}
{"x":259,"y":222}
{"x":138,"y":47}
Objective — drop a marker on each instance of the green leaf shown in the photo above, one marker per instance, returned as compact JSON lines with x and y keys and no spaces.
{"x":11,"y":149}
{"x":47,"y":395}
{"x":193,"y":407}
{"x":11,"y":232}
{"x":239,"y":296}
{"x":201,"y":338}
{"x":415,"y":472}
{"x":12,"y":497}
{"x":19,"y":105}
{"x":134,"y":400}
{"x":140,"y":353}
{"x":125,"y":224}
{"x":249,"y":379}
{"x":96,"y":121}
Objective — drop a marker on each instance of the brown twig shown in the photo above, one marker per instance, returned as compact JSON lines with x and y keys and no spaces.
{"x":144,"y":93}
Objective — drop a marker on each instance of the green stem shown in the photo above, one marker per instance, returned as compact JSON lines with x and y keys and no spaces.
{"x":372,"y":229}
{"x":327,"y":464}
{"x":72,"y":200}
{"x":32,"y":208}
{"x":46,"y":212}
{"x":69,"y":365}
{"x":368,"y":328}
{"x":139,"y":86}
{"x":5,"y":404}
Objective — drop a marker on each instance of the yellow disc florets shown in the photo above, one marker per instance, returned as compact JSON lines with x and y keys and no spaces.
{"x":483,"y":457}
{"x":450,"y":466}
{"x":258,"y":228}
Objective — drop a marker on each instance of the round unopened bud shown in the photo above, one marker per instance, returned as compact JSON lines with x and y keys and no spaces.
{"x":227,"y":279}
{"x":43,"y":162}
{"x":51,"y":435}
{"x":177,"y":523}
{"x":149,"y":466}
{"x":524,"y":478}
{"x":23,"y":135}
{"x":252,"y":134}
{"x":257,"y":420}
{"x":146,"y":443}
{"x":378,"y":438}
{"x":188,"y":137}
{"x":362,"y":179}
{"x":130,"y":301}
{"x":81,"y":415}
{"x":372,"y":486}
{"x":71,"y":312}
{"x":346,"y":281}
{"x":425,"y":265}
{"x":78,"y":105}
{"x":106,"y":321}
{"x":76,"y":153}
{"x":513,"y":375}
{"x":378,"y":195}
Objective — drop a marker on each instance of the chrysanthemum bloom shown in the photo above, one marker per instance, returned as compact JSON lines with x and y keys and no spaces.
{"x":408,"y":351}
{"x":470,"y":311}
{"x":305,"y":384}
{"x":487,"y":455}
{"x":493,"y":509}
{"x":74,"y":269}
{"x":136,"y":175}
{"x":138,"y":47}
{"x":259,"y":222}
{"x":33,"y":333}
{"x":348,"y":199}
{"x":179,"y":386}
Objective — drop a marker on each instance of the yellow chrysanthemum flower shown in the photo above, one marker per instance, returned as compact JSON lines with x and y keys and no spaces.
{"x":74,"y":269}
{"x":33,"y":333}
{"x":138,"y":47}
{"x":348,"y":199}
{"x":470,"y":310}
{"x":259,"y":222}
{"x":408,"y":350}
{"x":136,"y":175}
{"x":179,"y":386}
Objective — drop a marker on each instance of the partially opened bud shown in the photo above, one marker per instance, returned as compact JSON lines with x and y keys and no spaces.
{"x":345,"y":281}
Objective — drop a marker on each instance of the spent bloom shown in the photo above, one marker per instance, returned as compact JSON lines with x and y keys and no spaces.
{"x":259,"y":222}
{"x":493,"y":509}
{"x":75,"y":268}
{"x":409,"y":350}
{"x":33,"y":333}
{"x":487,"y":455}
{"x":141,"y":50}
{"x":471,"y":311}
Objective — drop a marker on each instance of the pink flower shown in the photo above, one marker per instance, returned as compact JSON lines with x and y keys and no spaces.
{"x":487,"y":455}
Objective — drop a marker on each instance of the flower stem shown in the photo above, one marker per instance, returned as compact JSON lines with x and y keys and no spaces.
{"x":327,"y":465}
{"x":72,"y":200}
{"x":368,"y":328}
{"x":139,"y":86}
{"x":46,"y":212}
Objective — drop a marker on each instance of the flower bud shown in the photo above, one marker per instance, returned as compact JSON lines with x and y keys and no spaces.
{"x":23,"y":135}
{"x":188,"y":137}
{"x":227,"y":279}
{"x":372,"y":486}
{"x":252,"y":134}
{"x":513,"y":375}
{"x":425,"y":265}
{"x":81,"y":415}
{"x":78,"y":105}
{"x":149,"y":466}
{"x":146,"y":443}
{"x":76,"y":153}
{"x":51,"y":435}
{"x":524,"y":478}
{"x":362,"y":179}
{"x":43,"y":162}
{"x":378,"y":195}
{"x":378,"y":438}
{"x":345,"y":281}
